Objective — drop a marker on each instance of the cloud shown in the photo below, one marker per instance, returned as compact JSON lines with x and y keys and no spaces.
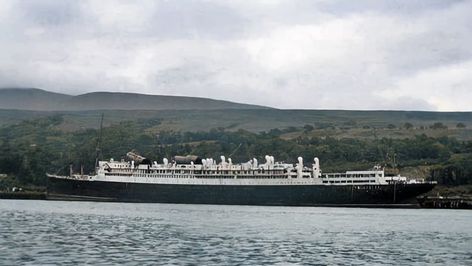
{"x":448,"y":87}
{"x":411,"y":55}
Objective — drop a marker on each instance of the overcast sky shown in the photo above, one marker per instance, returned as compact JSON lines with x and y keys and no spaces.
{"x":362,"y":55}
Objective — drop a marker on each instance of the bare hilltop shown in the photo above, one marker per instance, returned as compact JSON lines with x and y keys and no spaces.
{"x":33,"y":99}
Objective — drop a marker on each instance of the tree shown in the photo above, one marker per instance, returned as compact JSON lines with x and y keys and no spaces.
{"x":308,"y":128}
{"x":438,"y":125}
{"x":461,"y":125}
{"x":408,"y":125}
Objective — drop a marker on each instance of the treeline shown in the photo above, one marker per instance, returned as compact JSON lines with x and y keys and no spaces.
{"x":30,"y":149}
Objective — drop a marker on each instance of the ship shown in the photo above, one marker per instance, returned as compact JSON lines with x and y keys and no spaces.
{"x":194,"y":180}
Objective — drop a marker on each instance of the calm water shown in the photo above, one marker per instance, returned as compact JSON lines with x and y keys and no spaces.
{"x":54,"y":232}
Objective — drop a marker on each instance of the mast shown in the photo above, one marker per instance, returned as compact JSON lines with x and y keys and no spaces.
{"x":98,"y":151}
{"x":235,"y":150}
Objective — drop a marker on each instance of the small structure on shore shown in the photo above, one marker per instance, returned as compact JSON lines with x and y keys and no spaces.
{"x":440,"y":202}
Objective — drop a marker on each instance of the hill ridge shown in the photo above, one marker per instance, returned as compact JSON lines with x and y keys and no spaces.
{"x":34,"y":99}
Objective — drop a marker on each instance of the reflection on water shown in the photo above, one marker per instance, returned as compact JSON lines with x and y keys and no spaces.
{"x":54,"y":232}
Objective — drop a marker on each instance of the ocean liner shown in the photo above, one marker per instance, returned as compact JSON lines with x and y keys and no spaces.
{"x":190,"y":179}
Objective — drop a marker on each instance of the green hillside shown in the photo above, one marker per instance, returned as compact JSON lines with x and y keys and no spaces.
{"x":199,"y":114}
{"x":33,"y":147}
{"x":340,"y":124}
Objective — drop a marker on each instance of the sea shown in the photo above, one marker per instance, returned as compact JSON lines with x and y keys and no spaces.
{"x":35,"y":232}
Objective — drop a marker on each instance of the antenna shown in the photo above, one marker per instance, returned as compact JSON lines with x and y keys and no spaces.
{"x":379,"y":150}
{"x":235,"y":150}
{"x":99,"y":140}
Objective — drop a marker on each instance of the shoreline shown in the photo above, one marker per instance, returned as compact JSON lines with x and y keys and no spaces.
{"x":29,"y":195}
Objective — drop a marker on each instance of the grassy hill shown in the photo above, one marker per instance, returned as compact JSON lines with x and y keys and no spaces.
{"x":174,"y":113}
{"x":290,"y":123}
{"x":33,"y":147}
{"x":41,"y":100}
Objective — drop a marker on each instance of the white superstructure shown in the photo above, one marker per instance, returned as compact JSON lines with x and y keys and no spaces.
{"x":209,"y":172}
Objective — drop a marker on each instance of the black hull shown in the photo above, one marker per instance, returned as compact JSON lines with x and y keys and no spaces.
{"x":289,"y":195}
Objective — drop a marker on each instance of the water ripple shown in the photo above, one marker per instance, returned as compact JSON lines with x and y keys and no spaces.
{"x":69,"y":233}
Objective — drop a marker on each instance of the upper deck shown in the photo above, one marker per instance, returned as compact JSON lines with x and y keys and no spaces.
{"x":227,"y":173}
{"x":209,"y":172}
